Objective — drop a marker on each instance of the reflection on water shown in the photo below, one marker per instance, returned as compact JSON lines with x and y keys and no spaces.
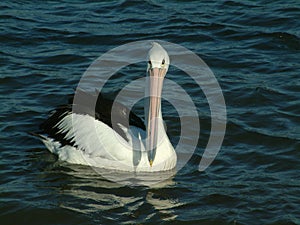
{"x":86,"y":191}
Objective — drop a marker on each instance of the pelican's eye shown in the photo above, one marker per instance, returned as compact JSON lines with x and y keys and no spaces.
{"x":163,"y":62}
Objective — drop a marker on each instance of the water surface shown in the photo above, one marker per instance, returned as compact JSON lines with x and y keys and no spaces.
{"x":253,"y":48}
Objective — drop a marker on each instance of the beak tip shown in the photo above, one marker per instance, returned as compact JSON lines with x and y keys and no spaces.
{"x":151,"y":162}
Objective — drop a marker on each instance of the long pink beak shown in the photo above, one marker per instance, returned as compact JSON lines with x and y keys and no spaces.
{"x":156,"y":82}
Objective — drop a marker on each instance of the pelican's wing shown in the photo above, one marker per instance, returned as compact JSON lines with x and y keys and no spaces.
{"x":101,"y":113}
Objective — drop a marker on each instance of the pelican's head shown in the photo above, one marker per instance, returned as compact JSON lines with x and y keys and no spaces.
{"x":158,"y":60}
{"x":158,"y":64}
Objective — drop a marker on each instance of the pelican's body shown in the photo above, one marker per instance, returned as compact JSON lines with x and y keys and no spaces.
{"x":112,"y":143}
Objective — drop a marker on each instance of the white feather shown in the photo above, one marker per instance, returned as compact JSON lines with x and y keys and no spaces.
{"x":100,"y":146}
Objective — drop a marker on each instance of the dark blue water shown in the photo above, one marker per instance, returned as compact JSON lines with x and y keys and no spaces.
{"x":253,"y":48}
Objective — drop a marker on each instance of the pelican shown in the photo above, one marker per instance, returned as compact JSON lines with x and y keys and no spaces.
{"x":105,"y":138}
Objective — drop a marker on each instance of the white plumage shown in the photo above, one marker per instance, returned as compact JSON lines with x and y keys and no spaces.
{"x":98,"y":145}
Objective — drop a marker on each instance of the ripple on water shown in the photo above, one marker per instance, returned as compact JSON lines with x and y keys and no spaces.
{"x":253,"y":50}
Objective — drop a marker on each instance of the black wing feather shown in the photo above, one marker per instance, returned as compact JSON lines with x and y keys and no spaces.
{"x":102,"y":112}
